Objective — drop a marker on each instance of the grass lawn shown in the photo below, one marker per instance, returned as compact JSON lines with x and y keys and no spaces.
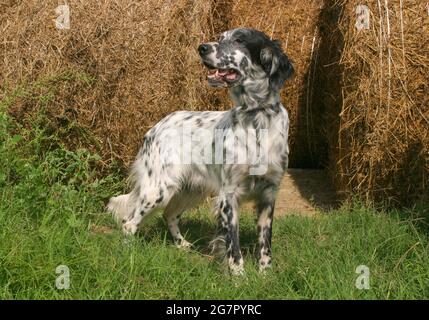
{"x":51,"y":214}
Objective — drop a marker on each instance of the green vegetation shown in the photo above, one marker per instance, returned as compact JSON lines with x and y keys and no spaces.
{"x":51,"y":214}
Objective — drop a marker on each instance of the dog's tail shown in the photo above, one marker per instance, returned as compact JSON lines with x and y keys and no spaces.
{"x":121,"y":206}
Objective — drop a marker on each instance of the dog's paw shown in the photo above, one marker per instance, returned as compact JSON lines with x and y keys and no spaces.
{"x":183,"y":245}
{"x":236,"y":269}
{"x":129,"y":228}
{"x":264,"y":266}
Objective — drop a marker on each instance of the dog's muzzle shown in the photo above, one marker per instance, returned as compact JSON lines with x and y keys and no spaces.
{"x":218,"y":77}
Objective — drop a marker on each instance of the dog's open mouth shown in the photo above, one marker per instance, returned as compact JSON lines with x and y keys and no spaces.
{"x":227,"y":75}
{"x":222,"y":77}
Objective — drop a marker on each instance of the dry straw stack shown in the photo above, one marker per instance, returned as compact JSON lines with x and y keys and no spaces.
{"x":120,"y":67}
{"x":136,"y":61}
{"x":384,"y":129}
{"x":377,"y":80}
{"x":358,"y":102}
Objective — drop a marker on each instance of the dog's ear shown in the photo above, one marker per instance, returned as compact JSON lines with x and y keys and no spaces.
{"x":276,"y":64}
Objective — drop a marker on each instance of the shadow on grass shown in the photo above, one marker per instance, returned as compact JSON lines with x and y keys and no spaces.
{"x":199,"y":231}
{"x":418,"y":215}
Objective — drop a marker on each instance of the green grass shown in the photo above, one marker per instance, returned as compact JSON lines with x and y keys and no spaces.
{"x":51,"y":214}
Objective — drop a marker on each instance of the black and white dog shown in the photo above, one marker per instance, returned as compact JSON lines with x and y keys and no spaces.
{"x":237,"y":154}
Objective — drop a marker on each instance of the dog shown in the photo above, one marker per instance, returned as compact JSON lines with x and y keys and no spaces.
{"x":254,"y":68}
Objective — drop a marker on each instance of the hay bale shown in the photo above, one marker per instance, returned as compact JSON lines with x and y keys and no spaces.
{"x":373,"y":84}
{"x":120,"y":67}
{"x":124,"y":65}
{"x":358,"y":102}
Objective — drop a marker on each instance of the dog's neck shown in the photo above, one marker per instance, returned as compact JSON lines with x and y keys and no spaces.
{"x":255,"y":103}
{"x":255,"y":95}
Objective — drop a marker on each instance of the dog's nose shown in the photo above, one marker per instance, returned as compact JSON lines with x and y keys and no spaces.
{"x":203,"y":48}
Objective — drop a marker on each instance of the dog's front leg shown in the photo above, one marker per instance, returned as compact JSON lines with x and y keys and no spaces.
{"x":265,"y":223}
{"x":228,"y":222}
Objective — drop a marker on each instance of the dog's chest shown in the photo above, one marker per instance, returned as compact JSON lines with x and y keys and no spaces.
{"x":267,"y":133}
{"x":266,"y":144}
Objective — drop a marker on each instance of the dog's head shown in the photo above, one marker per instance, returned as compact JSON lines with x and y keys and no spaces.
{"x":245,"y":55}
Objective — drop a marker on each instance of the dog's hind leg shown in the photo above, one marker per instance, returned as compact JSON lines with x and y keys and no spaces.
{"x":173,"y":212}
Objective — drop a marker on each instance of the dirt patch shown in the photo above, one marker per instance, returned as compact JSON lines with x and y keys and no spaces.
{"x":305,"y":192}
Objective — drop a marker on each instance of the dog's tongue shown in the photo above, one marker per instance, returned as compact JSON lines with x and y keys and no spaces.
{"x":221,"y":75}
{"x":226,"y":74}
{"x":231,"y":76}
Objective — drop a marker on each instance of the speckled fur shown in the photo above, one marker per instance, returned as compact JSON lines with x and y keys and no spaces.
{"x":159,"y":182}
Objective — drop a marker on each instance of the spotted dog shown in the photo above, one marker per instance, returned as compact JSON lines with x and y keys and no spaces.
{"x":254,"y":69}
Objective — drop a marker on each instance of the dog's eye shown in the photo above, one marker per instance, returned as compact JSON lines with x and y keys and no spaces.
{"x":238,"y":40}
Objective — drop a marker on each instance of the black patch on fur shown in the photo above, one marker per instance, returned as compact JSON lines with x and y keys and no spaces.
{"x":160,"y":197}
{"x":229,"y":231}
{"x":255,"y":41}
{"x":284,"y":68}
{"x":234,"y":120}
{"x":244,"y":63}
